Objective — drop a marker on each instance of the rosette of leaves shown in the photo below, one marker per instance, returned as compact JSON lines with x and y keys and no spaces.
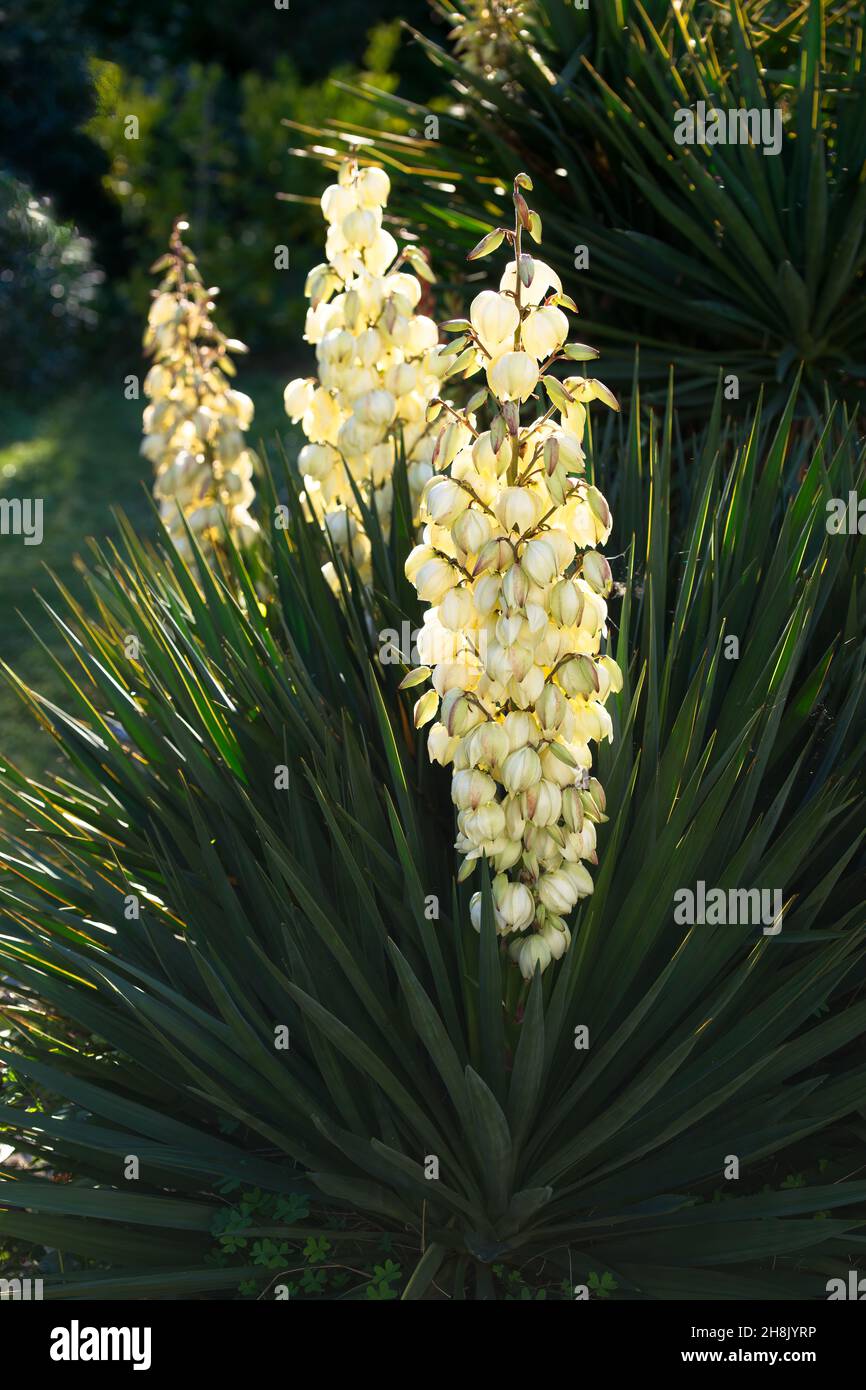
{"x":254,"y":781}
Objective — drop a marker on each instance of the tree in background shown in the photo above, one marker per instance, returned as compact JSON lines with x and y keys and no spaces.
{"x":209,"y":87}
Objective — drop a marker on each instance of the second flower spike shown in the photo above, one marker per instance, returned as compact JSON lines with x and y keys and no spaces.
{"x":379,"y":365}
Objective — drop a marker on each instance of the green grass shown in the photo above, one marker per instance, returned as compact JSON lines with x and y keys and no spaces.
{"x":79,"y":453}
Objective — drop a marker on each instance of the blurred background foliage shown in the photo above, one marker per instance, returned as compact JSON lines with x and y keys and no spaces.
{"x":214,"y":148}
{"x":85,"y":211}
{"x":709,"y":257}
{"x":209,"y":89}
{"x":49,"y":289}
{"x":79,"y":452}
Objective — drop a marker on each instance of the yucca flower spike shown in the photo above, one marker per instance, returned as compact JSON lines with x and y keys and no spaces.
{"x":516,"y":585}
{"x":379,"y":365}
{"x":195,"y":422}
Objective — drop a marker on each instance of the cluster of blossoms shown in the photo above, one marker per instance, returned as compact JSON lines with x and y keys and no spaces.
{"x":484,"y":33}
{"x":379,"y":366}
{"x":508,"y":563}
{"x":195,"y":422}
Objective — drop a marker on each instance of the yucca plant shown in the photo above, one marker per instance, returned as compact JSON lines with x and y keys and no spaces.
{"x":708,"y":255}
{"x":248,"y":838}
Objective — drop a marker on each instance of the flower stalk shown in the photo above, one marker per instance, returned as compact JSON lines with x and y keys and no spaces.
{"x":379,"y":365}
{"x":195,"y":423}
{"x":512,"y":641}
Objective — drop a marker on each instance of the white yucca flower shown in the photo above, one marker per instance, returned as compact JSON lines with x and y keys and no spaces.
{"x":195,"y":423}
{"x":379,"y":364}
{"x":516,"y":585}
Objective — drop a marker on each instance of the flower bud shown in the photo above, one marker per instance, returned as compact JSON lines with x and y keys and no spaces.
{"x":475,"y":904}
{"x":321,"y":420}
{"x":578,"y":676}
{"x":376,"y":408}
{"x":297,"y":397}
{"x":488,"y":744}
{"x":351,"y":308}
{"x":508,"y":857}
{"x":550,"y":707}
{"x":557,"y":892}
{"x":521,"y":769}
{"x":511,"y":416}
{"x":572,"y":808}
{"x":337,"y":203}
{"x":513,"y":376}
{"x":520,"y":728}
{"x":613,"y":672}
{"x":544,"y":331}
{"x":445,"y":501}
{"x":485,"y":456}
{"x":515,"y":821}
{"x":458,"y":714}
{"x":441,"y":746}
{"x":530,"y":954}
{"x":360,"y":227}
{"x":456,"y":610}
{"x":542,"y":803}
{"x":597,"y":504}
{"x":471,"y":530}
{"x":498,"y":431}
{"x":515,"y":904}
{"x":495,"y":317}
{"x":596,"y":571}
{"x":580,"y":879}
{"x":496,"y":554}
{"x":538,"y":561}
{"x":418,"y":556}
{"x":434,"y":579}
{"x":593,"y":801}
{"x":515,"y":587}
{"x":557,"y":938}
{"x":517,"y":509}
{"x":401,"y":378}
{"x":164,"y":309}
{"x":571,"y":455}
{"x":317,"y":460}
{"x":373,"y":186}
{"x":451,"y":440}
{"x":470,"y":789}
{"x":486,"y":594}
{"x":566,"y":603}
{"x":422,"y":336}
{"x":487,"y":823}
